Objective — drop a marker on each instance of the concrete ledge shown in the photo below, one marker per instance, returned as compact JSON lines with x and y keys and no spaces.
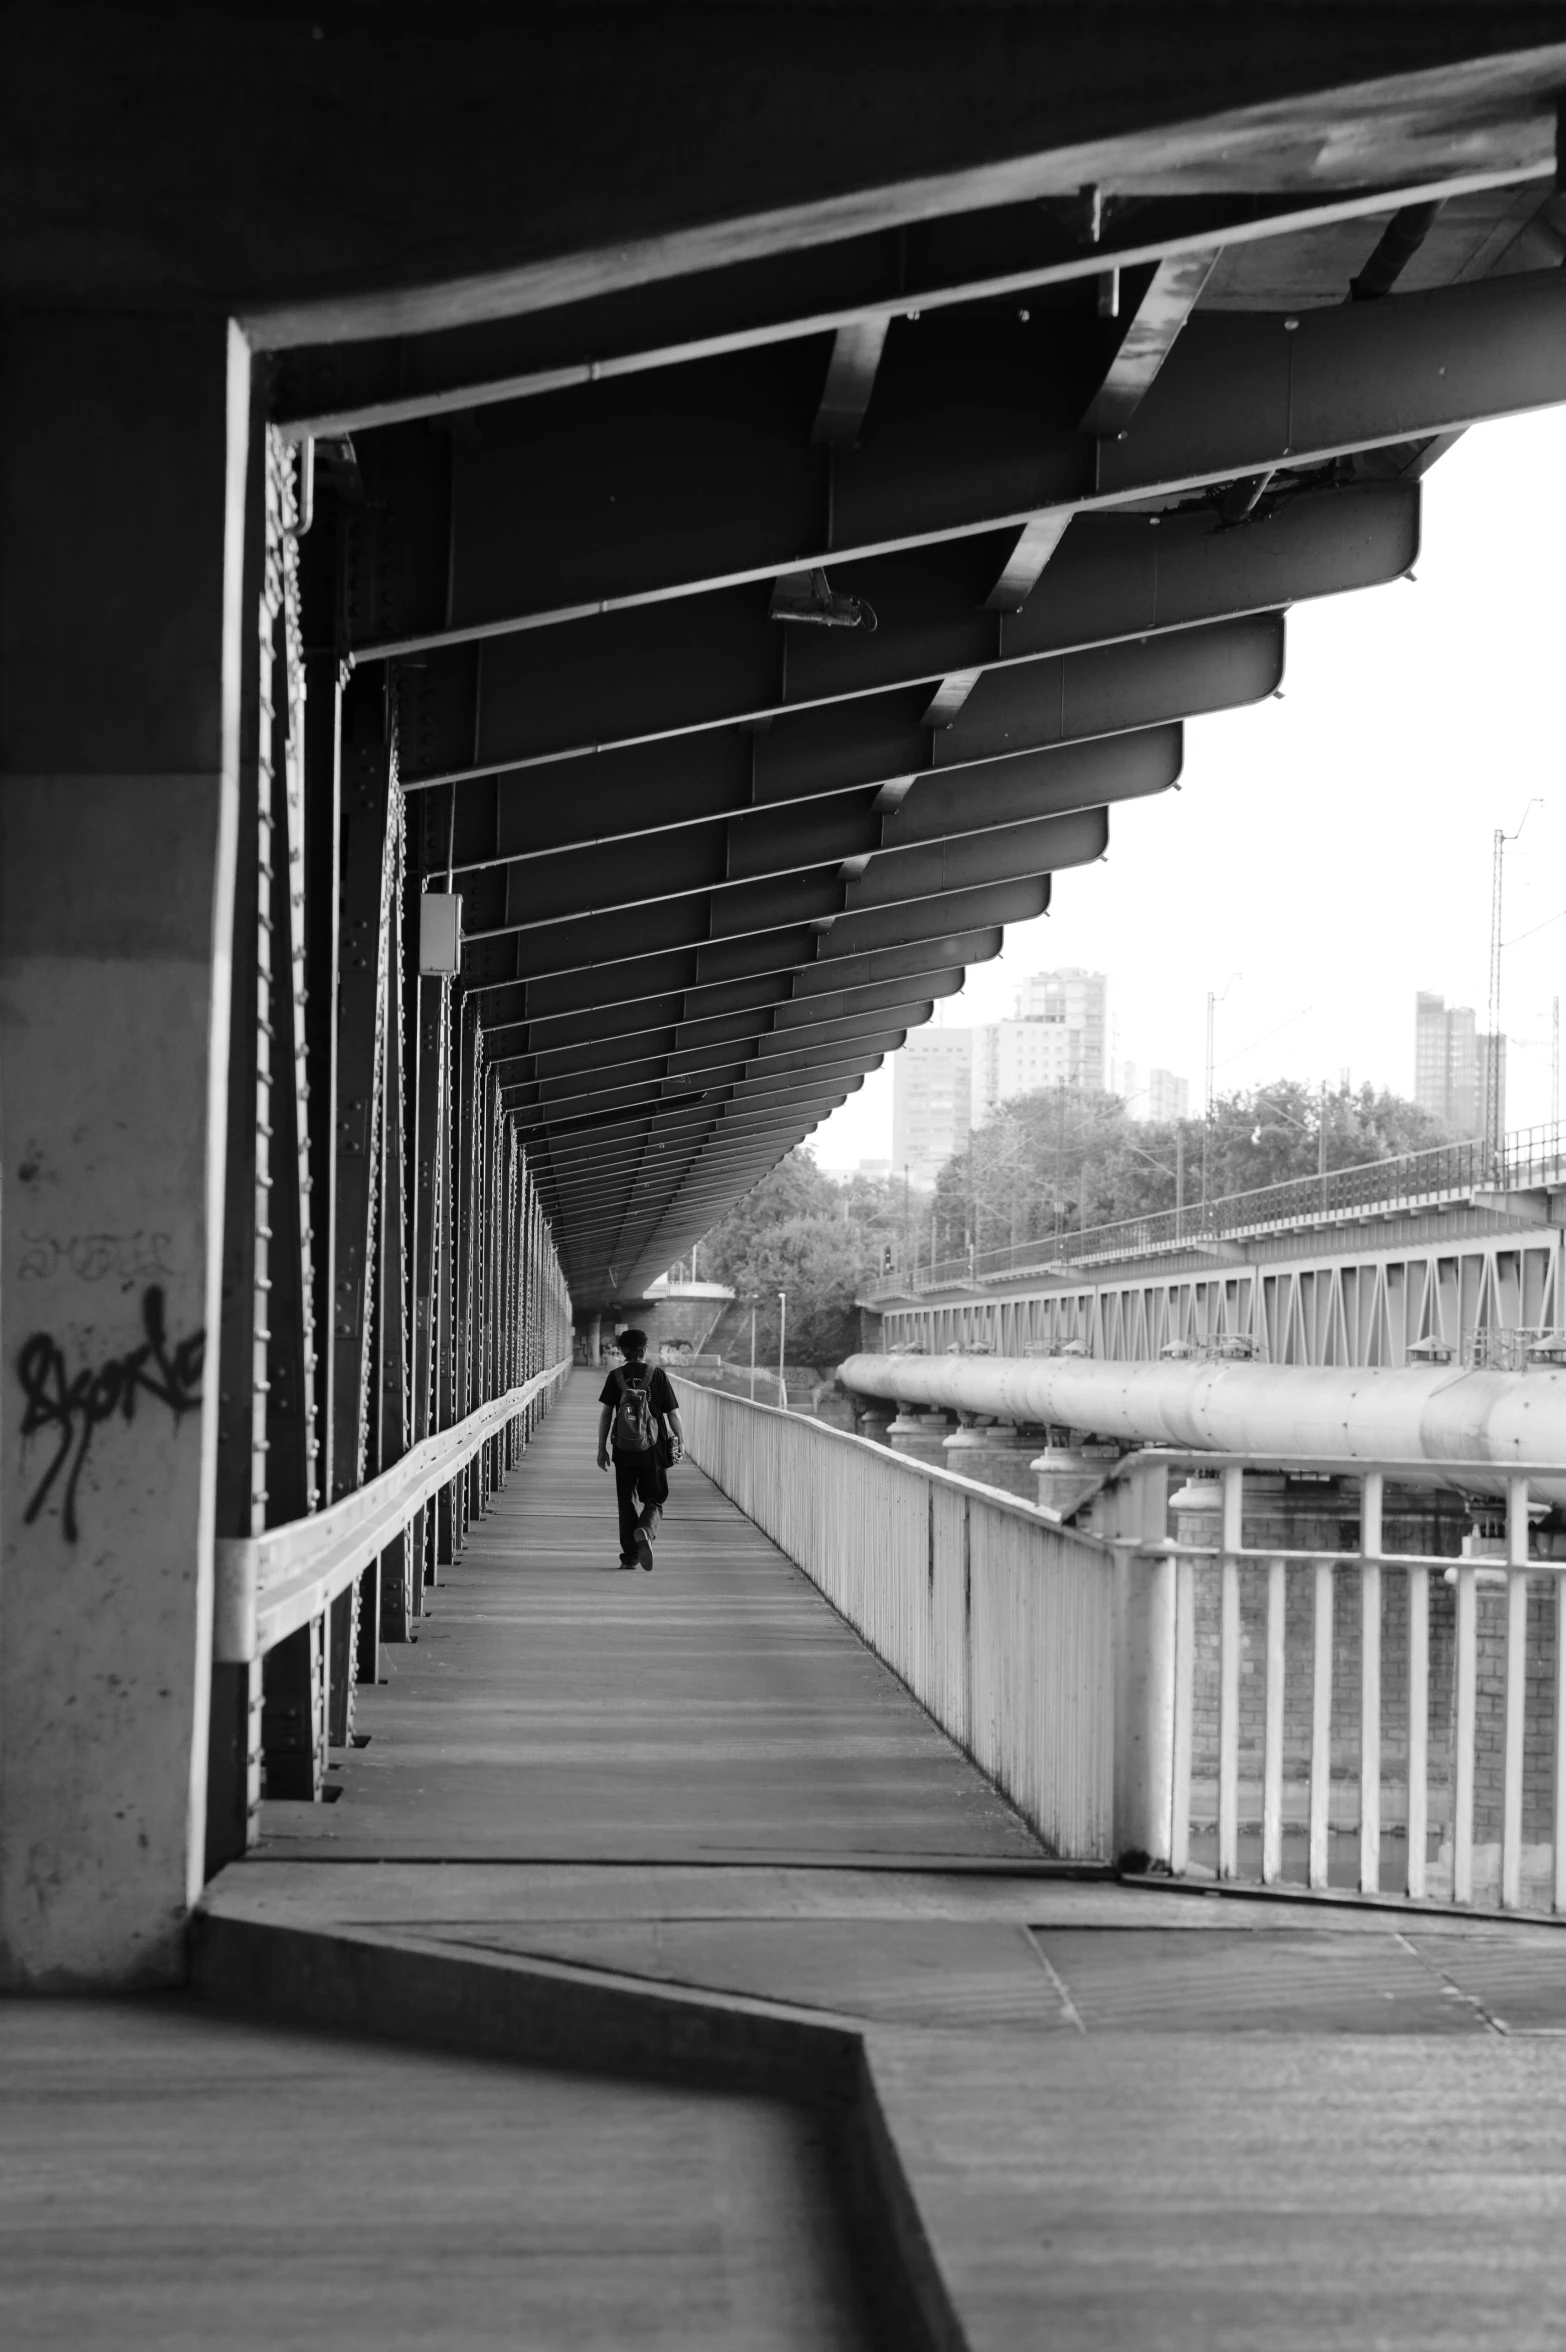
{"x":402,"y":1988}
{"x":373,"y":1982}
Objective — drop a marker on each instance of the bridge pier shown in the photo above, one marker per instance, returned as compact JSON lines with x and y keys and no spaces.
{"x":922,"y":1436}
{"x":996,"y":1453}
{"x":122,"y":459}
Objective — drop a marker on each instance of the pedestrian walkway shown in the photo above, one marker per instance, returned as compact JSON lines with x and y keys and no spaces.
{"x":558,"y":1707}
{"x":682,"y":1835}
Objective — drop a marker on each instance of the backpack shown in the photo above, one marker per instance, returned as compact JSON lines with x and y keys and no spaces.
{"x":635,"y":1429}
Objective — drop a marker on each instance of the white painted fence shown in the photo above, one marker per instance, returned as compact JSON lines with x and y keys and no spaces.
{"x":1362,"y":1718}
{"x":1443,"y":1778}
{"x":998,"y":1620}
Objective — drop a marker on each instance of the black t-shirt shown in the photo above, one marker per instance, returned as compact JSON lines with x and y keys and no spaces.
{"x":660,"y":1393}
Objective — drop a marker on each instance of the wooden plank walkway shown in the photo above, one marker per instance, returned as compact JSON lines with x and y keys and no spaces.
{"x":685,"y":1824}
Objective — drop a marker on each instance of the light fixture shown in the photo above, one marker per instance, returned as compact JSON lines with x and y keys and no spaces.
{"x":440,"y":934}
{"x":809,"y":596}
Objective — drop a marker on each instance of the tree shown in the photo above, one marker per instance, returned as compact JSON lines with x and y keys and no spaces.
{"x":819,"y":1238}
{"x":1066,"y":1158}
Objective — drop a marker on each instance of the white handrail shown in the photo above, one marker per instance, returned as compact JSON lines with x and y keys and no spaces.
{"x":267,"y":1586}
{"x":998,"y":1619}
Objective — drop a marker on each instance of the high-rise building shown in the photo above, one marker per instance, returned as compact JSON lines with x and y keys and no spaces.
{"x":1057,"y":1037}
{"x":1167,"y":1097}
{"x":932,"y":1101}
{"x":1078,"y":1002}
{"x":1430,"y":1053}
{"x":1452,"y":1064}
{"x":1152,"y":1094}
{"x":1489,"y":1044}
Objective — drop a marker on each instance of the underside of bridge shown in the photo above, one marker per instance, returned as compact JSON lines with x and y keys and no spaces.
{"x":567,"y":572}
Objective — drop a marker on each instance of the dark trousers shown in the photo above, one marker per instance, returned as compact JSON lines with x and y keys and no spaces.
{"x":640,"y":1484}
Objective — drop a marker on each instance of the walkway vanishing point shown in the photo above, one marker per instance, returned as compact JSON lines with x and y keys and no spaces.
{"x":663,"y":1976}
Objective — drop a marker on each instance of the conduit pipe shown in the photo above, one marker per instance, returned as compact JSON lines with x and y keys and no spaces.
{"x":1426,"y":1413}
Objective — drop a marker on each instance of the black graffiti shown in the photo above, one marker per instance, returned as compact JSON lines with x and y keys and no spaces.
{"x":77,"y":1408}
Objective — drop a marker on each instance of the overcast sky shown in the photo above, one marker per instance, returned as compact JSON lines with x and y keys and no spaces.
{"x":1333,"y":848}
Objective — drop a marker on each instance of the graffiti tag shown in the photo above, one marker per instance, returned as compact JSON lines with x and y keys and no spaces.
{"x":77,"y":1406}
{"x":91,"y":1257}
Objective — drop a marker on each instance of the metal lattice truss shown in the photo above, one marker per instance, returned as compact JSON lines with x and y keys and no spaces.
{"x":1345,"y":1303}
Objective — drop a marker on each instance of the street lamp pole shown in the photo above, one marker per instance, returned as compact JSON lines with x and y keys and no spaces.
{"x":782,"y":1333}
{"x":1213,"y":1002}
{"x":753,"y":1306}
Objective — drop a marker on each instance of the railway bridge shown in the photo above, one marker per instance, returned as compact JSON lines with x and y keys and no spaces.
{"x":1448,"y":1255}
{"x":564,"y":573}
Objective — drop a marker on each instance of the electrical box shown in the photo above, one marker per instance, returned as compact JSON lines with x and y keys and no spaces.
{"x":440,"y":935}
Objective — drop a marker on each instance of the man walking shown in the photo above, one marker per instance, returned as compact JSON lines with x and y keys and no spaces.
{"x":640,"y":1422}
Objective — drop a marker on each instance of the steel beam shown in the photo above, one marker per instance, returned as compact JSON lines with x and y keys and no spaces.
{"x":558,"y":1111}
{"x":613,"y":1148}
{"x":856,"y":284}
{"x":620,"y":1031}
{"x":549,"y":1024}
{"x":734,"y":859}
{"x":1175,"y":288}
{"x":694,"y":1043}
{"x":610,"y":1236}
{"x":823,"y":893}
{"x":740,"y":797}
{"x":610,"y":1231}
{"x":679,"y":1114}
{"x":652,"y":1198}
{"x":795,"y":954}
{"x":976,"y":430}
{"x":666,"y":669}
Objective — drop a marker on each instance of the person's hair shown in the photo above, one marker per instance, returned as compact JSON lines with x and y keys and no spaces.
{"x":633,"y":1343}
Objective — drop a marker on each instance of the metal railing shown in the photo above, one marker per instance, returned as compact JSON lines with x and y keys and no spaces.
{"x":737,"y":1379}
{"x":999,"y":1620}
{"x":1529,"y":1157}
{"x":1456,"y":1754}
{"x":1368,"y":1718}
{"x":267,"y":1586}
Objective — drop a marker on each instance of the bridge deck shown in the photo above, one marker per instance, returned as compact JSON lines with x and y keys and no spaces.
{"x":559,"y":1708}
{"x":614,"y":1814}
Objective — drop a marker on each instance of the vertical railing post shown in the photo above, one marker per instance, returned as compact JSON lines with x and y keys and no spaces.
{"x":235,"y":1735}
{"x":1371,"y":1546}
{"x":295,"y":1676}
{"x":1558,"y":1788}
{"x":1467,"y":1666}
{"x":1144,"y":1665}
{"x":1516,"y":1691}
{"x":1229,"y":1543}
{"x":1272,"y":1735}
{"x":1418,"y":1729}
{"x":391,"y":1274}
{"x":1319,"y":1825}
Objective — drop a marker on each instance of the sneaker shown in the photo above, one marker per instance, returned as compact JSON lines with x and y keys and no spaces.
{"x":643,"y":1548}
{"x":630,"y":1563}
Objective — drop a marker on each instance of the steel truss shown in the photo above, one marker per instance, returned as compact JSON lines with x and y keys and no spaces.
{"x":1347,"y":1305}
{"x":427,"y":1239}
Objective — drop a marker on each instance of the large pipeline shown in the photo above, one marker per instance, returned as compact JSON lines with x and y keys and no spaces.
{"x":1426,"y":1413}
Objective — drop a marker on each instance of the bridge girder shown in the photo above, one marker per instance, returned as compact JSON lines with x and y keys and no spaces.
{"x":976,"y":426}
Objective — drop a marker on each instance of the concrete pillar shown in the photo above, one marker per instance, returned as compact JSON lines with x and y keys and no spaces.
{"x":122,"y":509}
{"x":1070,"y":1475}
{"x":1136,"y":1508}
{"x":874,"y":1421}
{"x":920,"y":1435}
{"x":994,"y":1454}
